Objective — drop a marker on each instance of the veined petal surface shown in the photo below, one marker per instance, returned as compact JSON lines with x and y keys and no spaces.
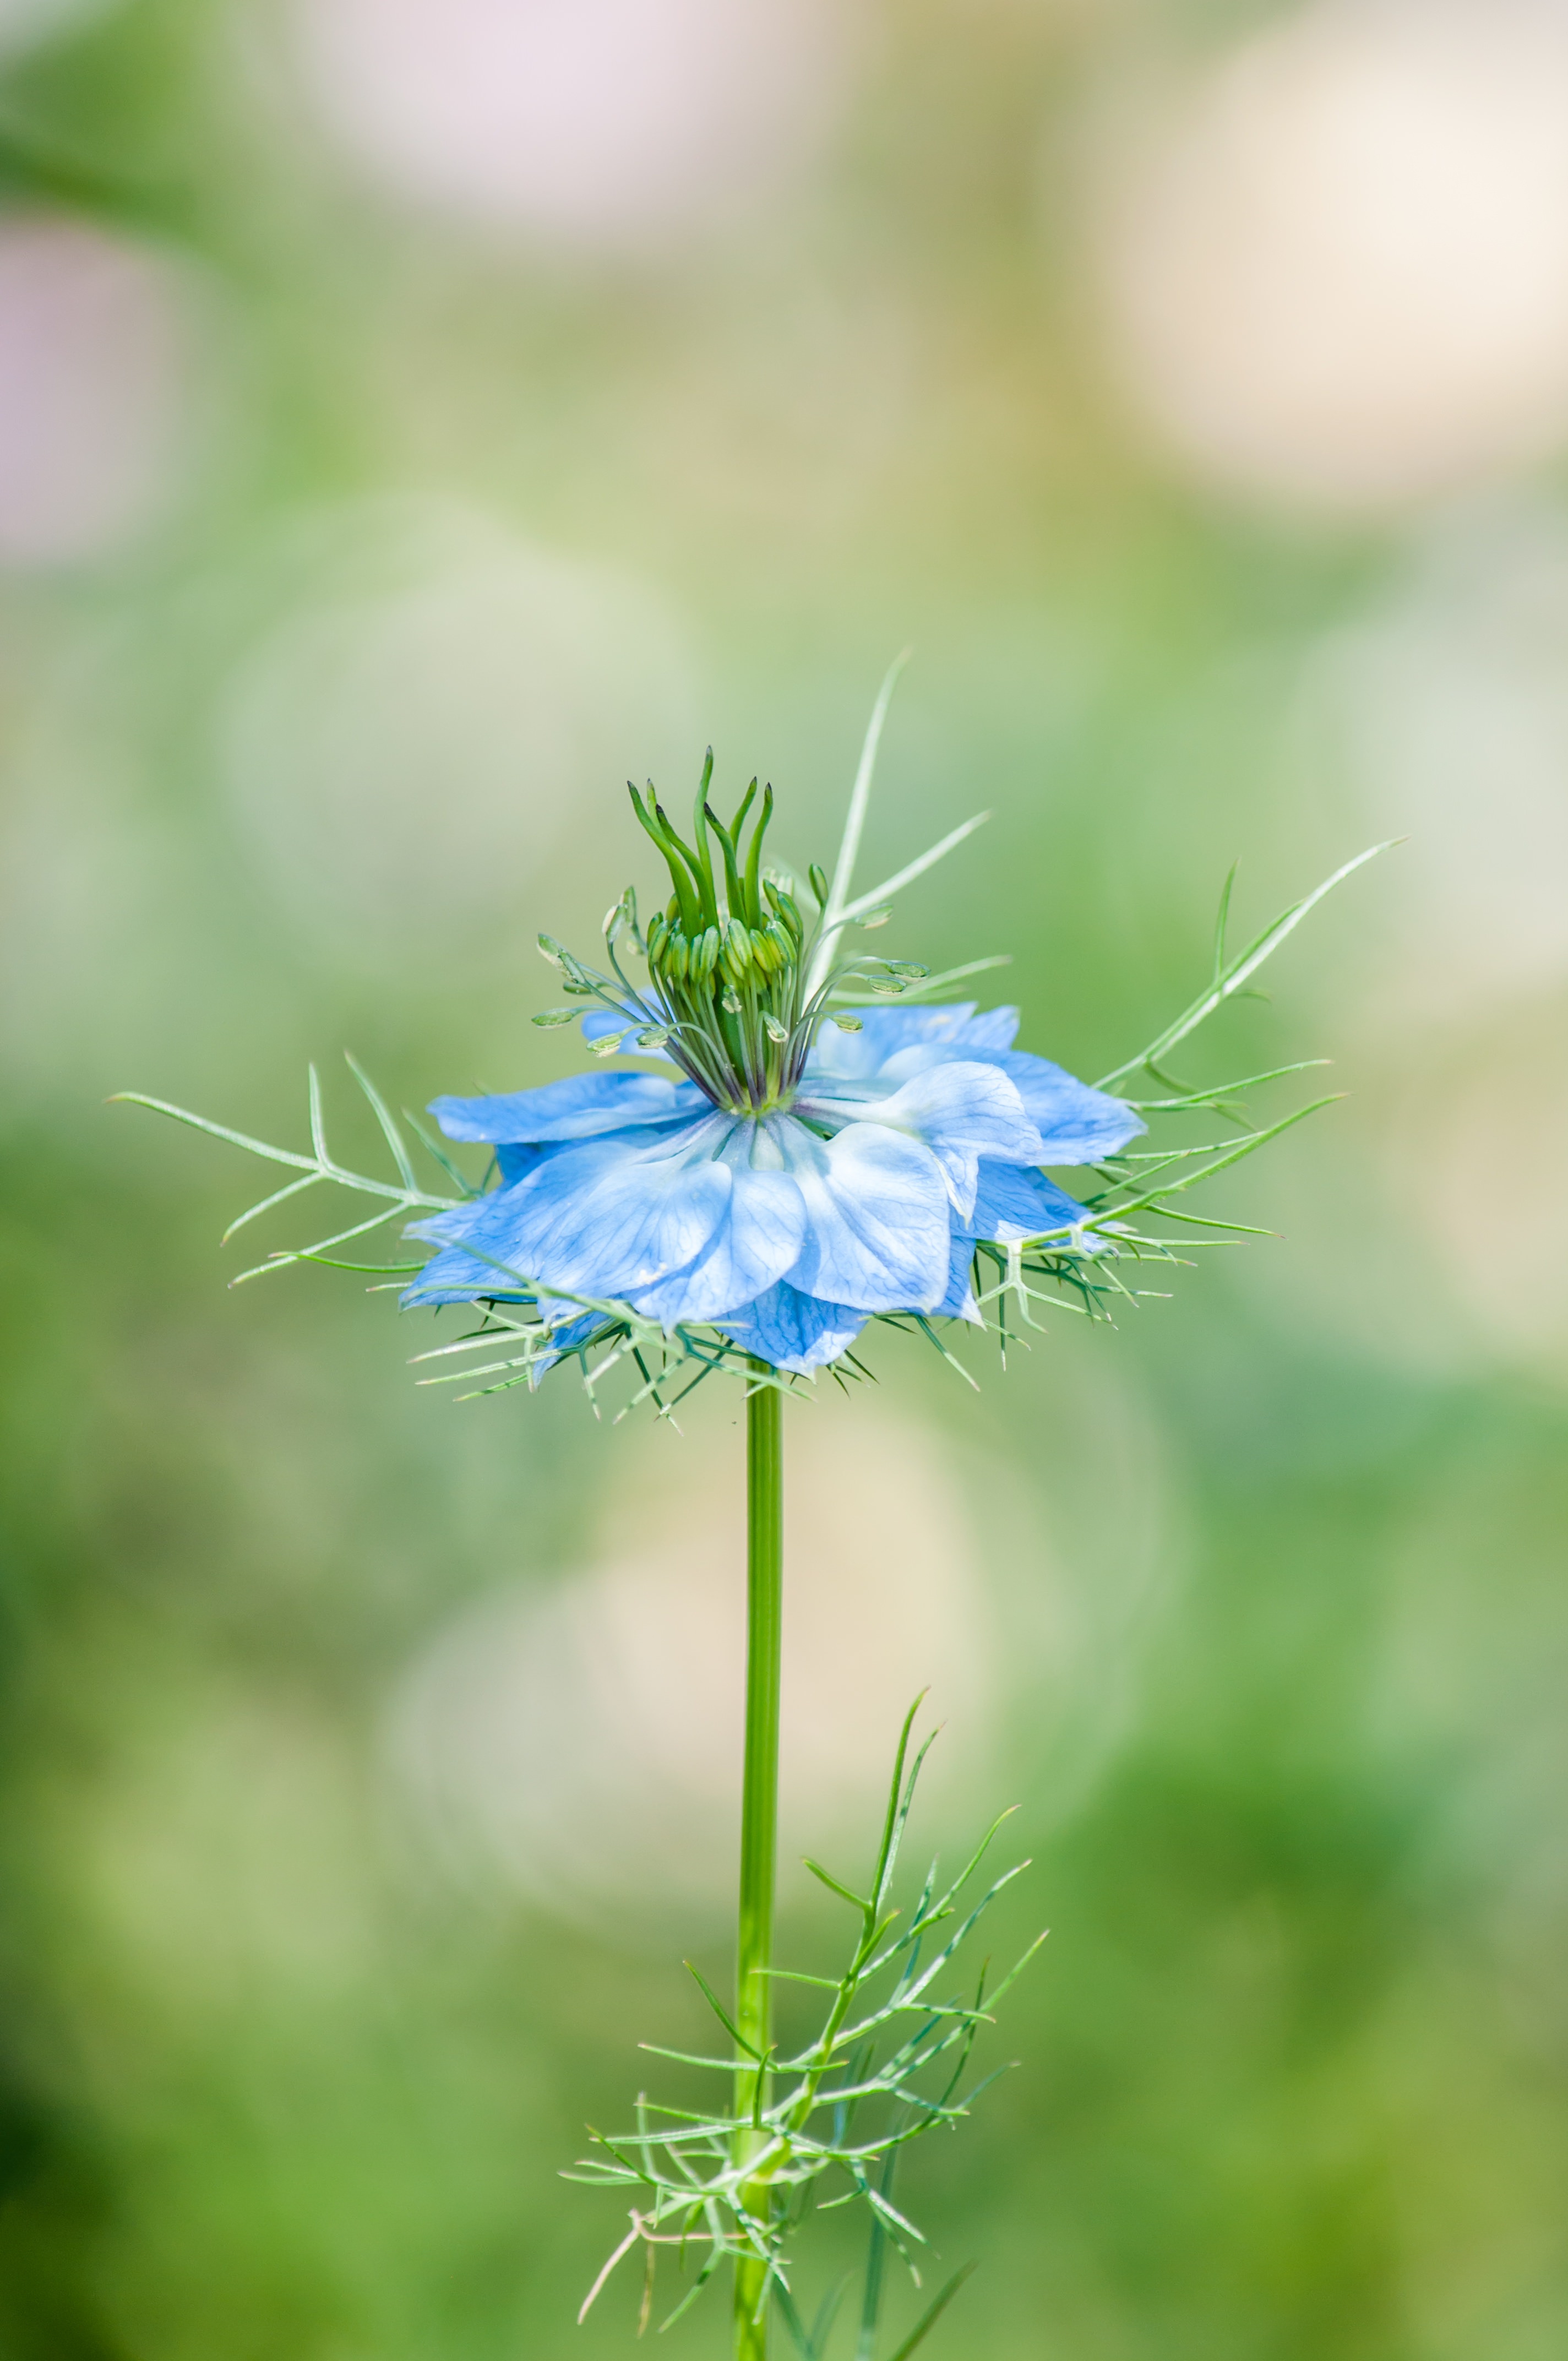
{"x":958,"y":1302}
{"x":795,"y":1332}
{"x":960,"y":1109}
{"x":604,"y":1218}
{"x":955,"y":1030}
{"x":1078,"y":1124}
{"x":876,"y":1208}
{"x":563,"y":1339}
{"x":581,"y":1107}
{"x":758,"y":1237}
{"x":1012,"y":1202}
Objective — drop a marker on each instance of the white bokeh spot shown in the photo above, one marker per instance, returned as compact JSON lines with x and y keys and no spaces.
{"x":439,"y":701}
{"x":612,"y":125}
{"x":1335,"y":270}
{"x":1443,"y":707}
{"x":581,"y":1743}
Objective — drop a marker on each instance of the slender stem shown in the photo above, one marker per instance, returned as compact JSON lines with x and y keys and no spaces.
{"x":759,"y":1818}
{"x":876,"y":2257}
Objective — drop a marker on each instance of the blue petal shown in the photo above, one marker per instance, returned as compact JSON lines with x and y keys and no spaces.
{"x":876,"y":1217}
{"x":959,"y":1109}
{"x":758,"y":1238}
{"x":1013,"y":1202}
{"x":794,"y":1331}
{"x":601,"y":1219}
{"x":517,"y":1157}
{"x":884,"y":1031}
{"x":994,"y":1028}
{"x":564,"y":1340}
{"x":958,"y":1302}
{"x":454,"y":1277}
{"x":581,"y":1107}
{"x":1078,"y":1124}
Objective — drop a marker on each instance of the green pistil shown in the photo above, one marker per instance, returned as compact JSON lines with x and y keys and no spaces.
{"x":753,"y":902}
{"x":653,"y":821}
{"x":700,"y":831}
{"x":729,"y":956}
{"x":733,"y":894}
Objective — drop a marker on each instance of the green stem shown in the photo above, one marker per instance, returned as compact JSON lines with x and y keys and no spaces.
{"x":876,"y":2257}
{"x":759,"y":1817}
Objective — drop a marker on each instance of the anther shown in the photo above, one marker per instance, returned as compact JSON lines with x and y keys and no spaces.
{"x":737,"y":950}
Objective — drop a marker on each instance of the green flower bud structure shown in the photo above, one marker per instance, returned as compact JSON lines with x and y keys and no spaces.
{"x":729,"y":955}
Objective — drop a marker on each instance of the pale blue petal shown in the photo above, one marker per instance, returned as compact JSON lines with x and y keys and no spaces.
{"x":960,"y":1109}
{"x":564,"y":1339}
{"x":454,"y":1277}
{"x":1078,"y":1124}
{"x":514,"y":1158}
{"x":582,"y":1107}
{"x":877,"y":1216}
{"x":856,"y":1057}
{"x":958,"y":1302}
{"x":601,"y":1219}
{"x":1075,"y":1122}
{"x":1013,"y":1202}
{"x":758,"y":1239}
{"x":795,"y":1332}
{"x":994,"y":1028}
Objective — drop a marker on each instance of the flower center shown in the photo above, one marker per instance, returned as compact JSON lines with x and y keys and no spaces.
{"x":729,"y":958}
{"x":732,"y":993}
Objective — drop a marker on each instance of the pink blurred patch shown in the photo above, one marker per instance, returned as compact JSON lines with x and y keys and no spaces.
{"x":95,"y":364}
{"x":614,"y":125}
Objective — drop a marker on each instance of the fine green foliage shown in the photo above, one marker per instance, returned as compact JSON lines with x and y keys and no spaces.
{"x":1077,"y":1267}
{"x":1090,"y":1267}
{"x":621,"y":1337}
{"x":826,"y":2123}
{"x":1093,"y":1265}
{"x":402,"y":1195}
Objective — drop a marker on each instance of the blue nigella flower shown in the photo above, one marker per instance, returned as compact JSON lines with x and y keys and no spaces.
{"x":814,"y":1167}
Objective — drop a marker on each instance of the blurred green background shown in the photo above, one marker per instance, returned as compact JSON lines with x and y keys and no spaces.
{"x":417,"y":415}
